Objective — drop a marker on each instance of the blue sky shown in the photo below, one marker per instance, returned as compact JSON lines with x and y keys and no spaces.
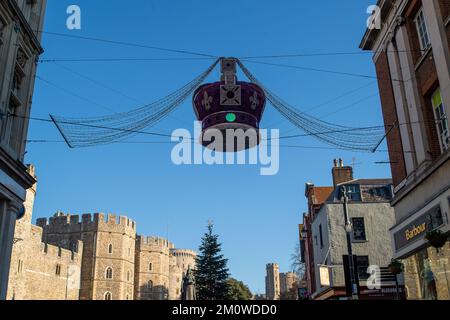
{"x":256,"y":216}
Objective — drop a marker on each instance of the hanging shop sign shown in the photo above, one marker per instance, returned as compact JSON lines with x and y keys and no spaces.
{"x":324,"y":273}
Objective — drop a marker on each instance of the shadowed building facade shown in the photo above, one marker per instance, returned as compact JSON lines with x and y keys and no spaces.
{"x":412,"y":60}
{"x":19,"y":50}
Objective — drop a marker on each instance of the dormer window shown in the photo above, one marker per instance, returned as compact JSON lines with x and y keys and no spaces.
{"x":353,"y":192}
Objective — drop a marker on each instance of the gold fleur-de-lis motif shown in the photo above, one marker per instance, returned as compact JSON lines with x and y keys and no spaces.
{"x":207,"y":100}
{"x":254,"y":100}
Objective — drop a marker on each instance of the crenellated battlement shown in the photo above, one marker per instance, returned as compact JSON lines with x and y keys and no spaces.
{"x":57,"y":252}
{"x":61,"y":253}
{"x":153,"y":244}
{"x":63,"y":223}
{"x":183,"y":253}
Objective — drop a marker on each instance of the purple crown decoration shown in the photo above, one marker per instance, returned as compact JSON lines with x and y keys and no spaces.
{"x":230,"y":105}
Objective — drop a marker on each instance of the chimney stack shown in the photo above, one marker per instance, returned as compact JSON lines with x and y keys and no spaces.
{"x":340,"y":173}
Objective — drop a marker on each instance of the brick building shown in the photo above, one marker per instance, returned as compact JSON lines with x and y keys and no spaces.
{"x":316,"y":197}
{"x":412,"y":60}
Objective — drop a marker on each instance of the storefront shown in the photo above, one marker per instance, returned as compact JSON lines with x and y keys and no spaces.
{"x":426,"y":268}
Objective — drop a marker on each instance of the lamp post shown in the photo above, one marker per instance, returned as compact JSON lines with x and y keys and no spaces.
{"x":348,"y":231}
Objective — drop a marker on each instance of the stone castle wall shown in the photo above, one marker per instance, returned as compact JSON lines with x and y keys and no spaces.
{"x":272,"y":281}
{"x":44,"y":272}
{"x":41,"y":271}
{"x":92,"y":257}
{"x":181,"y":261}
{"x":109,"y":242}
{"x":152,"y":268}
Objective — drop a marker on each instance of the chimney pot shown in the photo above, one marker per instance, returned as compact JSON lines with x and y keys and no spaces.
{"x":340,"y":173}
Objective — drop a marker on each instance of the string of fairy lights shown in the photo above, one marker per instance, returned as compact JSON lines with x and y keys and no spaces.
{"x":117,"y":127}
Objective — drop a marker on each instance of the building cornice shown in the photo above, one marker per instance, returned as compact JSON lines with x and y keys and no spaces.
{"x":25,"y":25}
{"x":418,"y":180}
{"x":371,"y":35}
{"x":16,"y":170}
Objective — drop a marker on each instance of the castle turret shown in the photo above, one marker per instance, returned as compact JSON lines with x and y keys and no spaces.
{"x":181,"y":261}
{"x":152,"y":268}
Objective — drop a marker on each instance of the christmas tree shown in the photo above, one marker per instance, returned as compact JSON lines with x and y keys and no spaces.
{"x":212,"y":273}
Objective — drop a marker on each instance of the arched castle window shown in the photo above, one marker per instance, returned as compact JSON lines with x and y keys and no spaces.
{"x":108,"y":295}
{"x":150,"y":284}
{"x":109,"y":273}
{"x":150,"y":266}
{"x":110,"y":249}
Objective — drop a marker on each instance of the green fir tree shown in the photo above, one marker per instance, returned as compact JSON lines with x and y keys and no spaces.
{"x":212,"y":273}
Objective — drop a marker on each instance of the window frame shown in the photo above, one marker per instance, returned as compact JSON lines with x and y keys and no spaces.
{"x":441,"y":121}
{"x":363,"y":275}
{"x":353,"y":219}
{"x":351,"y":194}
{"x":109,"y":275}
{"x":109,"y":295}
{"x":320,"y":236}
{"x":422,"y":30}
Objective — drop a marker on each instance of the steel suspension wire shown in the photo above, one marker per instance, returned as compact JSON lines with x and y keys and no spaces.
{"x":91,"y":131}
{"x":350,"y":138}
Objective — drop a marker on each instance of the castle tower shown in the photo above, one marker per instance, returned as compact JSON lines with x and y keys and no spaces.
{"x":152,"y":268}
{"x":272,"y":281}
{"x":288,"y":280}
{"x":181,"y":261}
{"x":107,"y":271}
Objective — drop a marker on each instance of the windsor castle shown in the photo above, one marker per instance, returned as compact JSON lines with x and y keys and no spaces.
{"x":92,"y":257}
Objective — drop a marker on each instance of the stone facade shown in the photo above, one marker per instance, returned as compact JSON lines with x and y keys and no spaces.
{"x":181,"y":261}
{"x":288,"y":280}
{"x":40,"y":271}
{"x":371,"y":217}
{"x":272,"y":281}
{"x":107,"y":269}
{"x":19,"y":50}
{"x":152,"y":268}
{"x":97,"y":257}
{"x":378,"y":219}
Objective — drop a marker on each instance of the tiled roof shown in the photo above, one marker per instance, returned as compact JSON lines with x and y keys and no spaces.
{"x":321,"y":194}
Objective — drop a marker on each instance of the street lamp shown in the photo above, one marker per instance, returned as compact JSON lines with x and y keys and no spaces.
{"x":348,"y":231}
